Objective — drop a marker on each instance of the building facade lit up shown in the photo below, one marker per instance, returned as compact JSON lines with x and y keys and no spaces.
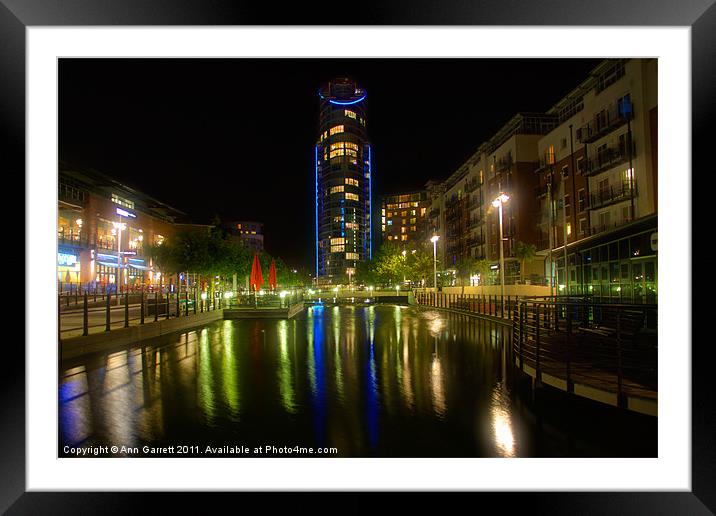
{"x":342,"y":182}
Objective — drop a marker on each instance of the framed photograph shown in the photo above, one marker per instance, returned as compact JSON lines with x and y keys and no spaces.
{"x":423,"y":248}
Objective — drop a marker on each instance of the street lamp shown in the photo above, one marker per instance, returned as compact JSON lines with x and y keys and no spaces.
{"x":119,"y":226}
{"x":434,"y":240}
{"x":497,"y":203}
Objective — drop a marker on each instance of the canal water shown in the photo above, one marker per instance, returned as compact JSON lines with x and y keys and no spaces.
{"x":367,"y":381}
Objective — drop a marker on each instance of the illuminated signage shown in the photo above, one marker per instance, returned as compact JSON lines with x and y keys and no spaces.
{"x":125,"y":213}
{"x":66,"y":259}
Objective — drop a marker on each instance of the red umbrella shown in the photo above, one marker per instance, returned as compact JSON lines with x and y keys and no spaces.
{"x":272,"y":275}
{"x":257,"y":278}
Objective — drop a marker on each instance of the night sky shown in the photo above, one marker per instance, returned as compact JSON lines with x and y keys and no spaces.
{"x":235,"y":137}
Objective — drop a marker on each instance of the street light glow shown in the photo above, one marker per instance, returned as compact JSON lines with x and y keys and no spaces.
{"x":501,"y":199}
{"x":434,"y":238}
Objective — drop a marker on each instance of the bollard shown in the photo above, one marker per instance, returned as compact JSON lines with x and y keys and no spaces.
{"x":156,"y":306}
{"x":178,"y":305}
{"x":167,"y":314}
{"x":186,"y":303}
{"x":85,"y":317}
{"x":126,"y":309}
{"x":107,"y":316}
{"x":141,"y":313}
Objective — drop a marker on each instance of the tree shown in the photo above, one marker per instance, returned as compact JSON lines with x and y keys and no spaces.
{"x":482,"y":267}
{"x":525,"y":253}
{"x":464,"y":266}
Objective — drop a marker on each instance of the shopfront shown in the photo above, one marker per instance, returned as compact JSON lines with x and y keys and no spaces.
{"x":68,"y":267}
{"x":621,"y":267}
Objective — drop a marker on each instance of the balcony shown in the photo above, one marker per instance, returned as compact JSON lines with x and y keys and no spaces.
{"x":611,"y":195}
{"x":75,"y":239}
{"x":601,"y":228}
{"x":602,"y":124}
{"x":475,"y":203}
{"x":435,"y":212}
{"x":540,"y":191}
{"x":609,"y":158}
{"x":70,"y":194}
{"x":474,"y":222}
{"x":475,"y":241}
{"x":471,"y":186}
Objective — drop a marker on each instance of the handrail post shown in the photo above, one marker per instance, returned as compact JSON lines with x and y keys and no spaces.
{"x":620,"y":394}
{"x":568,"y":341}
{"x":167,"y":313}
{"x":538,"y":375}
{"x":85,"y":317}
{"x":108,"y":320}
{"x":195,"y":301}
{"x":141,"y":313}
{"x":156,"y":305}
{"x":523,"y":311}
{"x":186,"y":303}
{"x":176,"y":296}
{"x":126,"y":308}
{"x":502,"y":307}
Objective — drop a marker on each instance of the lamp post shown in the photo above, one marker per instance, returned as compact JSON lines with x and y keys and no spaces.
{"x":434,"y":240}
{"x":497,"y":203}
{"x":119,"y":226}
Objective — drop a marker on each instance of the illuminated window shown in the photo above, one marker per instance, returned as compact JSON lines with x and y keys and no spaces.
{"x":404,"y":213}
{"x":352,"y":197}
{"x":549,"y":155}
{"x":350,"y":181}
{"x":158,"y":239}
{"x":351,"y":256}
{"x":238,"y":226}
{"x":343,"y":149}
{"x":336,"y":189}
{"x":402,"y":229}
{"x":413,"y":228}
{"x":337,"y":129}
{"x":338,"y":248}
{"x":403,"y":237}
{"x":338,"y":240}
{"x":412,"y":212}
{"x":350,"y":114}
{"x":337,"y":218}
{"x":569,"y":228}
{"x":351,"y":225}
{"x":390,"y":237}
{"x":122,"y":201}
{"x":413,"y":220}
{"x":390,"y":222}
{"x":390,"y":214}
{"x":422,"y":211}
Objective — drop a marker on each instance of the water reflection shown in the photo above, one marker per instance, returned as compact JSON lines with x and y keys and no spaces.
{"x":373,"y":380}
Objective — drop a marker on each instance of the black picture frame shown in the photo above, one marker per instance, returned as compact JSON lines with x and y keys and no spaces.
{"x":17,"y":15}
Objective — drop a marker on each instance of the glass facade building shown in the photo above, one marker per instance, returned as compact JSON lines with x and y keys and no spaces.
{"x":343,"y":182}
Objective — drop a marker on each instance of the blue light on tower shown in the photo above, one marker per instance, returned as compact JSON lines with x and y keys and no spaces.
{"x":316,"y":156}
{"x":347,"y":102}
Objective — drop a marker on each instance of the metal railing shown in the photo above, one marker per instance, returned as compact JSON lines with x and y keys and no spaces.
{"x":103,"y":310}
{"x":608,"y":346}
{"x":478,"y":304}
{"x":265,"y":301}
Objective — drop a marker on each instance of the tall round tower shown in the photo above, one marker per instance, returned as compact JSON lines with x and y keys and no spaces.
{"x":343,"y":182}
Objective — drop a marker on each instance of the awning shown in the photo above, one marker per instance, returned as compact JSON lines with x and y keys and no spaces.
{"x":108,"y":264}
{"x":140,"y":267}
